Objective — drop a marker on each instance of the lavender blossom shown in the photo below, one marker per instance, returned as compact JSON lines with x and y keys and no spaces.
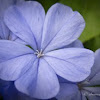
{"x":34,"y":68}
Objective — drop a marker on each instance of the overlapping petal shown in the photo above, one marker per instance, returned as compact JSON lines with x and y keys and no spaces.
{"x":73,"y":64}
{"x":94,"y":77}
{"x":39,"y":82}
{"x":83,"y":97}
{"x":4,"y":4}
{"x":75,"y":44}
{"x":67,"y":90}
{"x":4,"y":31}
{"x":94,"y":97}
{"x":62,"y":26}
{"x":93,"y":90}
{"x":79,"y":96}
{"x":14,"y":63}
{"x":26,"y":21}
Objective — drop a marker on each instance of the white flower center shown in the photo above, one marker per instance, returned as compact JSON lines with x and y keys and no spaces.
{"x":39,"y":53}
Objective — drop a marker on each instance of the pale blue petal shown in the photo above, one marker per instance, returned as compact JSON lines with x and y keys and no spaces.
{"x":78,"y":96}
{"x":62,"y":26}
{"x":92,"y":90}
{"x":34,"y":15}
{"x":73,"y":64}
{"x":67,"y":91}
{"x":39,"y":82}
{"x":15,"y":59}
{"x":94,"y":77}
{"x":95,"y":80}
{"x":4,"y":4}
{"x":77,"y":44}
{"x":19,"y":1}
{"x":83,"y":97}
{"x":21,"y":41}
{"x":10,"y":50}
{"x":20,"y":21}
{"x":12,"y":69}
{"x":94,"y":97}
{"x":12,"y":36}
{"x":4,"y":31}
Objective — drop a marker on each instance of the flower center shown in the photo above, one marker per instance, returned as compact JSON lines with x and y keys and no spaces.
{"x":39,"y":53}
{"x":79,"y":86}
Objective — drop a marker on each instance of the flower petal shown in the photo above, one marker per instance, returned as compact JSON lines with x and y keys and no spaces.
{"x":73,"y":64}
{"x":67,"y":91}
{"x":39,"y":82}
{"x":15,"y":59}
{"x":20,"y":41}
{"x":83,"y":98}
{"x":62,"y":26}
{"x":10,"y":50}
{"x":78,"y":96}
{"x":95,"y":80}
{"x":94,"y":97}
{"x":19,"y":1}
{"x":12,"y":69}
{"x":4,"y":31}
{"x":94,"y":77}
{"x":26,"y":20}
{"x":12,"y":37}
{"x":35,"y":20}
{"x":4,"y":4}
{"x":93,"y":90}
{"x":77,"y":44}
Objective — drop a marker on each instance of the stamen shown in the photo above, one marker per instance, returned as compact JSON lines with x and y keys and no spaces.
{"x":39,"y":53}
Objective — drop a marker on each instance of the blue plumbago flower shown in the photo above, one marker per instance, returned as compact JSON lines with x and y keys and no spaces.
{"x":9,"y":92}
{"x":35,"y":67}
{"x":5,"y":33}
{"x":89,"y":88}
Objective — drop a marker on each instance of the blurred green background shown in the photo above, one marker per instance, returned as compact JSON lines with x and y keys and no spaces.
{"x":90,"y":10}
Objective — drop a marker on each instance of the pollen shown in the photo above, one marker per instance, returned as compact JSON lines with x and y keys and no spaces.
{"x":39,"y":53}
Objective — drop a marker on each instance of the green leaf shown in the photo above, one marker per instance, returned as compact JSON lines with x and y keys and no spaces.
{"x":93,"y":44}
